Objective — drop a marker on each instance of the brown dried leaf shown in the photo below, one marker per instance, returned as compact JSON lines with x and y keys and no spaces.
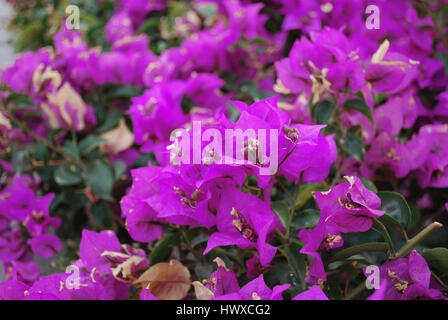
{"x":167,"y":281}
{"x":202,"y":293}
{"x":117,"y":139}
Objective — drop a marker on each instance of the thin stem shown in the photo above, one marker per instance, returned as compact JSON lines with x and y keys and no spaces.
{"x":282,"y":186}
{"x":190,"y":247}
{"x":74,"y":137}
{"x":412,"y":243}
{"x":283,"y":238}
{"x":356,"y":292}
{"x":439,"y":280}
{"x":293,"y":205}
{"x":386,"y":235}
{"x":56,"y":149}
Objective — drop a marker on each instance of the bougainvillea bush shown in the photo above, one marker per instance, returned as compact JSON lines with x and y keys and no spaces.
{"x":237,"y":149}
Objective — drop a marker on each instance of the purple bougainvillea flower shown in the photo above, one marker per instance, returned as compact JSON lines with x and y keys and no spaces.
{"x":141,"y":219}
{"x":245,"y":221}
{"x":174,"y":198}
{"x":61,"y":287}
{"x":254,"y":268}
{"x":442,"y":105}
{"x":349,"y":205}
{"x":257,"y":290}
{"x":157,"y":113}
{"x":262,"y":115}
{"x":119,"y":26}
{"x":397,"y":113}
{"x":127,"y":264}
{"x":325,"y":64}
{"x":406,"y":279}
{"x":314,"y":293}
{"x":398,"y":157}
{"x":20,"y":76}
{"x":92,"y":247}
{"x":20,"y":205}
{"x":308,"y":151}
{"x":65,"y":108}
{"x":19,"y":201}
{"x":78,"y":285}
{"x":346,"y":75}
{"x":12,"y":245}
{"x":434,"y":170}
{"x":28,"y":272}
{"x":13,"y":290}
{"x":300,"y":149}
{"x":45,"y":245}
{"x":246,"y":18}
{"x":223,"y":281}
{"x":323,"y":237}
{"x":102,"y":253}
{"x":204,"y":90}
{"x":390,"y":72}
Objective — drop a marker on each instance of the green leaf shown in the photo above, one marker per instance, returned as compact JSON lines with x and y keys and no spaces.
{"x":89,"y":143}
{"x":100,"y":178}
{"x":102,"y":214}
{"x":282,"y":273}
{"x":259,"y":40}
{"x":437,"y":258}
{"x":389,"y":219}
{"x":163,"y":247}
{"x":323,"y":111}
{"x":295,"y":259}
{"x":354,"y":146}
{"x":306,"y":192}
{"x":144,"y":159}
{"x":122,"y":92}
{"x":415,"y":215}
{"x":112,"y":118}
{"x":379,"y":98}
{"x":361,"y":106}
{"x":151,"y":24}
{"x":395,"y":206}
{"x":19,"y":101}
{"x":281,"y":209}
{"x":369,"y":185}
{"x":187,"y":104}
{"x":252,"y":90}
{"x":365,"y":247}
{"x":70,"y":148}
{"x":228,"y":255}
{"x":234,"y":113}
{"x":20,"y":160}
{"x":307,"y":218}
{"x":119,"y":168}
{"x":334,"y":291}
{"x":66,"y":176}
{"x":39,"y":151}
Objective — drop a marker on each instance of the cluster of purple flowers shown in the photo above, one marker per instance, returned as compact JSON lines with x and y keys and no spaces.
{"x":225,"y":45}
{"x":25,"y":223}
